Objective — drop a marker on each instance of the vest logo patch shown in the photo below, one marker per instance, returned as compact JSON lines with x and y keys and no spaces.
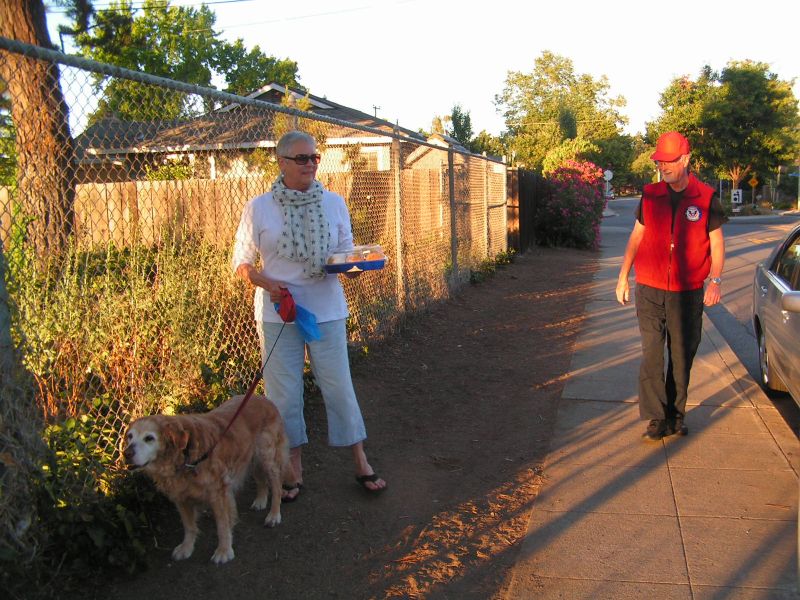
{"x":693,"y":213}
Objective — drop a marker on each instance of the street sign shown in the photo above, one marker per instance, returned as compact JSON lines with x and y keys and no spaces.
{"x":736,"y":206}
{"x":753,"y":182}
{"x":608,"y":174}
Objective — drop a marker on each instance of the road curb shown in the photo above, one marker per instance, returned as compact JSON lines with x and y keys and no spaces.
{"x":752,"y":392}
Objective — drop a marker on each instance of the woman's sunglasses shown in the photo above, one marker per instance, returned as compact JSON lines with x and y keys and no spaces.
{"x":302,"y":159}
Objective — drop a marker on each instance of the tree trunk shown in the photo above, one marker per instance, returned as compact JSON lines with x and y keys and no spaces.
{"x":45,"y":184}
{"x":736,"y":174}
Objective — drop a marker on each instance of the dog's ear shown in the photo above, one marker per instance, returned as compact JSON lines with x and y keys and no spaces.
{"x":175,"y":435}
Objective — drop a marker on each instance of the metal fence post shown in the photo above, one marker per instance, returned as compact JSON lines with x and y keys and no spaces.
{"x":486,"y":208}
{"x":451,"y":184}
{"x":398,"y":224}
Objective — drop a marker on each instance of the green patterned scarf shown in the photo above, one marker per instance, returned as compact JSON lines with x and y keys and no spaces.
{"x":304,"y":237}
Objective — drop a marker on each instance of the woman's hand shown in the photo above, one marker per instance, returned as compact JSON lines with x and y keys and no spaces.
{"x":274,"y":289}
{"x":250,"y":274}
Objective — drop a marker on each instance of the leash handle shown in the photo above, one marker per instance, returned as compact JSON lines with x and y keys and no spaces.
{"x":248,"y":394}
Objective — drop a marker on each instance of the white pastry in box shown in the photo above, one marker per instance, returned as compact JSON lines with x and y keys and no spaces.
{"x":369,"y":257}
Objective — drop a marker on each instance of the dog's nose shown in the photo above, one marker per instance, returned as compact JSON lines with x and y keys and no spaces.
{"x":128,"y":453}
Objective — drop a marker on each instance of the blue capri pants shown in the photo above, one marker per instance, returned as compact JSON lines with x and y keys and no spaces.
{"x":283,"y":380}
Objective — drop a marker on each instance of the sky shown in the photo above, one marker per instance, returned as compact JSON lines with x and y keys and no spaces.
{"x":410,"y":60}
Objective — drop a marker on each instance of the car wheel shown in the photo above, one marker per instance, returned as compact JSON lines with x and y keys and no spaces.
{"x":772,"y":385}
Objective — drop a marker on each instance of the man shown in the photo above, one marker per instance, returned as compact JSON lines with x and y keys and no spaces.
{"x":676,"y":243}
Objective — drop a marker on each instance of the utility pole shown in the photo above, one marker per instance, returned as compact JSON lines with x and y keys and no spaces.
{"x":375,"y":108}
{"x":798,"y":208}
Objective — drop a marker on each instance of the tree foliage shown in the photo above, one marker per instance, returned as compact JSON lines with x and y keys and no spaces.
{"x":176,"y":42}
{"x":752,"y":122}
{"x":488,"y":143}
{"x":552,"y":105}
{"x":248,"y":70}
{"x":741,"y":121}
{"x":643,"y":169}
{"x":682,"y":105}
{"x":460,"y":127}
{"x":569,"y":150}
{"x":8,"y":136}
{"x":567,"y":123}
{"x":616,"y":153}
{"x":438,"y":125}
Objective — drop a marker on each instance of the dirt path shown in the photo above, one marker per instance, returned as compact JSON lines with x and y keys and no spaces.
{"x":459,"y":411}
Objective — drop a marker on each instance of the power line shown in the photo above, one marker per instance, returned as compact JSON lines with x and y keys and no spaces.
{"x":141,"y":5}
{"x":267,"y":22}
{"x":221,"y":29}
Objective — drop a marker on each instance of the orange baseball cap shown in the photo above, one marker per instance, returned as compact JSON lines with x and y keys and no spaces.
{"x":670,"y":146}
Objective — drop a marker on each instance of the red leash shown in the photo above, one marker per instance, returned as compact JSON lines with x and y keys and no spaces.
{"x":288,"y":312}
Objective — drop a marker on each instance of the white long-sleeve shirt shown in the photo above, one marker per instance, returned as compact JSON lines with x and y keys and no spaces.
{"x":258,"y":234}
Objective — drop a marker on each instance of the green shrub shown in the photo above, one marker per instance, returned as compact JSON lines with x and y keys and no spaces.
{"x":94,"y":526}
{"x":171,"y":171}
{"x":84,"y":529}
{"x":505,"y":257}
{"x":487,"y":267}
{"x":482,"y":271}
{"x":109,"y":335}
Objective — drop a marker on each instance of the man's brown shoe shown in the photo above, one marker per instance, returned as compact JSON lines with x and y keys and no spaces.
{"x":676,"y":426}
{"x":656,"y":429}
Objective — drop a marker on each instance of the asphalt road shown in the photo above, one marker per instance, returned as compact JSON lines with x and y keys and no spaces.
{"x":748,"y":241}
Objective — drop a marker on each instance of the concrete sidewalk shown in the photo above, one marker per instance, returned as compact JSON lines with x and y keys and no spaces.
{"x":709,"y":515}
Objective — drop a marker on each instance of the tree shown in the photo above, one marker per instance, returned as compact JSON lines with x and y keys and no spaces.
{"x":616,"y":153}
{"x":741,"y":121}
{"x":43,"y":142}
{"x":460,"y":127}
{"x":438,"y":125}
{"x":567,"y":123}
{"x":488,"y":143}
{"x":176,"y":42}
{"x":751,"y":121}
{"x":569,"y":150}
{"x":551,"y":105}
{"x":40,"y":165}
{"x":246,"y":71}
{"x":643,"y":169}
{"x":682,"y":104}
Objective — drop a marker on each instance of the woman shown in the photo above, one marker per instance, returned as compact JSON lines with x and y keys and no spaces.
{"x":294,"y":228}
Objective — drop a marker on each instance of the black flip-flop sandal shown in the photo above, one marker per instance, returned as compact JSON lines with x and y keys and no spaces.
{"x":288,"y":488}
{"x":363,"y":479}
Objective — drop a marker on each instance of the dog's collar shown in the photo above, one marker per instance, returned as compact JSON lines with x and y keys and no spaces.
{"x":191,"y":465}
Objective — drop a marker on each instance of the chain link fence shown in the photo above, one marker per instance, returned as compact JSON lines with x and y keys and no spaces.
{"x":118,"y":298}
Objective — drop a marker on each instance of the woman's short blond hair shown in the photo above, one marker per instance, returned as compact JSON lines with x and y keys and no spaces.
{"x":288,"y":140}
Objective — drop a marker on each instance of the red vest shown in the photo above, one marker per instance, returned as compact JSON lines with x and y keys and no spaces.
{"x":675,"y":255}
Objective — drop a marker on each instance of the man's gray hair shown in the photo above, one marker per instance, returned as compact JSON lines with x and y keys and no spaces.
{"x":288,"y":140}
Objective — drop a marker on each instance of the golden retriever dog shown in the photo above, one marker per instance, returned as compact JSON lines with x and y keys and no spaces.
{"x":166,"y":448}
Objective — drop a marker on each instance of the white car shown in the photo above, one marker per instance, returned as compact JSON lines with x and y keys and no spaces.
{"x":776,"y":317}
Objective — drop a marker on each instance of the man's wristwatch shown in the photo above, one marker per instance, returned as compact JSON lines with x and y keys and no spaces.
{"x":717,"y":280}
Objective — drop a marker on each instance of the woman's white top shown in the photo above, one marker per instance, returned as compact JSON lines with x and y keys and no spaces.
{"x":258,"y":234}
